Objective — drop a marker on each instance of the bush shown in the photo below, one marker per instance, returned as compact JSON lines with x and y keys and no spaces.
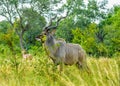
{"x":88,"y":40}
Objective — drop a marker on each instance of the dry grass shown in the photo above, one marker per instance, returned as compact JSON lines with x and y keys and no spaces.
{"x":38,"y":72}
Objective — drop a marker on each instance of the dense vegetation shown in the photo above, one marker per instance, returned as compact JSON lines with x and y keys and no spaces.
{"x":92,"y":25}
{"x":38,"y":72}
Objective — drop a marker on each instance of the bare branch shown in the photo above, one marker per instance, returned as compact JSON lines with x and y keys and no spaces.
{"x":25,"y":28}
{"x":16,"y":29}
{"x":8,"y":19}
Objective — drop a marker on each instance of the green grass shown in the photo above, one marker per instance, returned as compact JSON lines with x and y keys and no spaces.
{"x":38,"y":72}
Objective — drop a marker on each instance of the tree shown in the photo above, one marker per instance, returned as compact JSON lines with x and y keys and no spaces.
{"x":86,"y":38}
{"x":17,"y":13}
{"x":36,"y":23}
{"x":81,"y":15}
{"x":65,"y":29}
{"x":12,"y":10}
{"x":8,"y":38}
{"x":112,"y":28}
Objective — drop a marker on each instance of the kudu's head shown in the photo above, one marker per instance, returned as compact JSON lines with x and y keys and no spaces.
{"x":49,"y":30}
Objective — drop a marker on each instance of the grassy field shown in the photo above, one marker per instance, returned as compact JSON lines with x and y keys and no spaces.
{"x":16,"y":72}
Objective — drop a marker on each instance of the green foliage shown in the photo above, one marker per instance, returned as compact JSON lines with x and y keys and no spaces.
{"x":102,"y":39}
{"x":99,"y":39}
{"x":88,"y":40}
{"x":65,"y":29}
{"x":36,"y":22}
{"x":4,"y":26}
{"x":37,"y":50}
{"x":9,"y":39}
{"x":4,"y":51}
{"x":112,"y":28}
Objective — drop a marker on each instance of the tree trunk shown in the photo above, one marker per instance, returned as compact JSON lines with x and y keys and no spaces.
{"x":21,"y":41}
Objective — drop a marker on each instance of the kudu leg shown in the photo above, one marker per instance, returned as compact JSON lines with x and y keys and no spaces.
{"x":79,"y":65}
{"x":84,"y":66}
{"x":61,"y":66}
{"x":88,"y":70}
{"x":54,"y":68}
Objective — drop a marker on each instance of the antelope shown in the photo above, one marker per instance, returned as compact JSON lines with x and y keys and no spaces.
{"x":61,"y":52}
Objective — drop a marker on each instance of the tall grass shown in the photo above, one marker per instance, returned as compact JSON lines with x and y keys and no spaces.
{"x":39,"y":72}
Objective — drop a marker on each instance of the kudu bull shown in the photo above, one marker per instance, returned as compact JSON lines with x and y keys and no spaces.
{"x":60,"y":51}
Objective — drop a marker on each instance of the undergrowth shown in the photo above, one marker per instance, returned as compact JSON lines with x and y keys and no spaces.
{"x":14,"y":71}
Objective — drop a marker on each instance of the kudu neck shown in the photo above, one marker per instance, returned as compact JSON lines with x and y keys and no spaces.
{"x":50,"y":40}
